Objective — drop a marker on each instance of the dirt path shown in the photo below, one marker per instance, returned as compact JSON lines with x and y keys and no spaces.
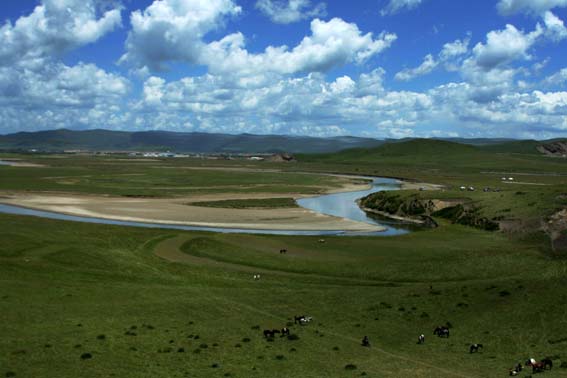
{"x":169,"y":249}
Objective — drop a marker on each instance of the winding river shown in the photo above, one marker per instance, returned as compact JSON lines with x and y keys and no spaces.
{"x":339,"y":204}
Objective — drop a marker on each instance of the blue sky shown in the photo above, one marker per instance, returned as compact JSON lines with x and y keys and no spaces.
{"x":375,"y":68}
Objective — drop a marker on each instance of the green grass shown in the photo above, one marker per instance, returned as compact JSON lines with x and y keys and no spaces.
{"x":65,"y":284}
{"x":160,"y":178}
{"x":253,"y":203}
{"x":57,"y":275}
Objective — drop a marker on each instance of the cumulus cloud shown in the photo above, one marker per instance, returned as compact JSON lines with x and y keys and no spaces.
{"x":54,"y":27}
{"x":396,"y":6}
{"x":330,"y":44}
{"x":558,"y":78}
{"x":505,"y":46}
{"x":426,"y":67}
{"x":42,"y":92}
{"x":454,"y":49}
{"x":555,"y":28}
{"x":83,"y":85}
{"x":509,"y":7}
{"x":286,"y":12}
{"x":172,"y":30}
{"x":449,"y":57}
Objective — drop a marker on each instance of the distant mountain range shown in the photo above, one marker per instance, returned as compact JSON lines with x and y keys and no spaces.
{"x":106,"y":140}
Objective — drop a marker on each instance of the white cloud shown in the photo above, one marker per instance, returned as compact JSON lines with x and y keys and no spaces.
{"x":83,"y":85}
{"x":555,"y":28}
{"x":54,"y":27}
{"x":505,"y":46}
{"x":426,"y":67}
{"x":454,"y":49}
{"x":450,"y":57}
{"x":396,"y":6}
{"x":558,"y":78}
{"x":509,"y":7}
{"x":172,"y":30}
{"x":331,"y":44}
{"x":286,"y":12}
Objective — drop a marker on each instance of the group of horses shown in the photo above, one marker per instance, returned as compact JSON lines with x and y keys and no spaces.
{"x":441,"y":331}
{"x":271,"y":333}
{"x":537,"y":366}
{"x":298,"y":319}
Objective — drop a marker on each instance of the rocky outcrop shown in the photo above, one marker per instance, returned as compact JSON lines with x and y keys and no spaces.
{"x":282,"y":158}
{"x":558,"y":148}
{"x":423,"y":210}
{"x":556,"y":227}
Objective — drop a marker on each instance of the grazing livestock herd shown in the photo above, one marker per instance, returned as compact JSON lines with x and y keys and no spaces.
{"x":440,"y":331}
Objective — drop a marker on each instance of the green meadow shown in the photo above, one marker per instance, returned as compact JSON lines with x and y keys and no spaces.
{"x":88,"y":300}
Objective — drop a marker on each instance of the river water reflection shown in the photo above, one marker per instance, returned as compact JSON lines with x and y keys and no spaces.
{"x":339,"y":204}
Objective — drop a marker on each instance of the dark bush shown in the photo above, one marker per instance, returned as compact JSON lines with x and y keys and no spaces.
{"x":101,"y":337}
{"x":350,"y":367}
{"x":280,"y":357}
{"x":86,"y":356}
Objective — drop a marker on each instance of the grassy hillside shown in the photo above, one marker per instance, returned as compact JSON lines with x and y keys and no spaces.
{"x":162,"y":303}
{"x":74,"y":290}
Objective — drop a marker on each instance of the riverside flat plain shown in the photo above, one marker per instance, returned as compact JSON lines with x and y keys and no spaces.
{"x":164,"y":303}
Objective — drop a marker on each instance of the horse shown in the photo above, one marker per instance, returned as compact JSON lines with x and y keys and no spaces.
{"x":302,"y":319}
{"x":475,"y":347}
{"x":284,"y":251}
{"x":537,"y":366}
{"x":441,"y":331}
{"x":256,"y":277}
{"x":270,"y":333}
{"x":284,"y":332}
{"x":365,"y":341}
{"x":547,"y":362}
{"x":421,"y":339}
{"x":516,"y":370}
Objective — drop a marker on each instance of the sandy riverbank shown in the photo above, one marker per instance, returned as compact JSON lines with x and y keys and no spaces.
{"x":180,"y":211}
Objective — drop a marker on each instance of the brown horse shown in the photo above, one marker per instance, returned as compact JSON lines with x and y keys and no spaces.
{"x":537,"y":366}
